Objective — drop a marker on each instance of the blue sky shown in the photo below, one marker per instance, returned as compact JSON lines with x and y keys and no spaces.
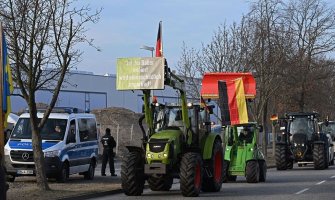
{"x":126,"y":25}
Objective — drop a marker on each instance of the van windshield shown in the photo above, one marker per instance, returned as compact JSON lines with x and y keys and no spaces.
{"x":53,"y":129}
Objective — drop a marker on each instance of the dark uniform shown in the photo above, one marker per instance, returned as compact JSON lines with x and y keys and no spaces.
{"x":108,"y":144}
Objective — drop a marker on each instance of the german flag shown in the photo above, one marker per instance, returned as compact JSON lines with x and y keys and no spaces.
{"x":159,"y":42}
{"x":232,"y":102}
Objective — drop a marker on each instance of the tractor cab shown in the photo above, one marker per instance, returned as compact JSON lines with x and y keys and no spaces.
{"x":299,"y":125}
{"x":243,"y":155}
{"x":169,"y":117}
{"x":245,"y":134}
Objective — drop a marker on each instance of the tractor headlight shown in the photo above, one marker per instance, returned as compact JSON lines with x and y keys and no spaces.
{"x":295,"y":144}
{"x":159,"y":155}
{"x":303,"y":144}
{"x":150,"y":155}
{"x":165,"y":155}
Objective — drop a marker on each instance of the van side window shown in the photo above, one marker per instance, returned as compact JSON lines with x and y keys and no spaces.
{"x":71,"y":137}
{"x":87,"y":129}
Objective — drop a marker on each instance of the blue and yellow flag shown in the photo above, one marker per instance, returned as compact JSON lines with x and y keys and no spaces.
{"x":7,"y":80}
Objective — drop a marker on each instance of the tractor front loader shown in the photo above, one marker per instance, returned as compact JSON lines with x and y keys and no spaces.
{"x":178,"y":143}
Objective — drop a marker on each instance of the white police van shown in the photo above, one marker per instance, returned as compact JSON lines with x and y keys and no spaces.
{"x":69,"y":143}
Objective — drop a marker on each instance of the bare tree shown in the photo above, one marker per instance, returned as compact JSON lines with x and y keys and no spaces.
{"x":42,"y":38}
{"x":311,"y":24}
{"x":190,"y":69}
{"x":267,"y":55}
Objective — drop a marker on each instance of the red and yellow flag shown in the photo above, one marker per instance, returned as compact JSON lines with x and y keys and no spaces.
{"x":232,"y":102}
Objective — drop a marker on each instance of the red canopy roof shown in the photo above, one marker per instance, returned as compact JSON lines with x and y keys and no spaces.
{"x":210,"y":83}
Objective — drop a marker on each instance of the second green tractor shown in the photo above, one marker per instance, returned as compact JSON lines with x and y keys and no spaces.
{"x":243,"y":157}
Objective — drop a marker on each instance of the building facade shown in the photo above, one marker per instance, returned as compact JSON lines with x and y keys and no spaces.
{"x":88,"y":91}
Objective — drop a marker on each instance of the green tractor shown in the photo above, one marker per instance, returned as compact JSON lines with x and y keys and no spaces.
{"x":243,"y":157}
{"x":178,"y":144}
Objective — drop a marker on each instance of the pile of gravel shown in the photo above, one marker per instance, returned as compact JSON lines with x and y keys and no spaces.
{"x":124,"y":127}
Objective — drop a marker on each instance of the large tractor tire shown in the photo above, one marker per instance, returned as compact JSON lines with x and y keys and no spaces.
{"x":252,"y":171}
{"x":215,"y":165}
{"x":281,"y":160}
{"x":190,"y":174}
{"x":160,"y":182}
{"x":290,"y":164}
{"x":319,"y":156}
{"x":132,"y":174}
{"x":262,"y":170}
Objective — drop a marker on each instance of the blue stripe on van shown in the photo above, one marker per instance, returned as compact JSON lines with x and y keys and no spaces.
{"x":28,"y":145}
{"x":80,"y":150}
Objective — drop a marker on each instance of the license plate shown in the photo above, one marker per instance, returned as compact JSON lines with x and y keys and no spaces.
{"x":25,"y":172}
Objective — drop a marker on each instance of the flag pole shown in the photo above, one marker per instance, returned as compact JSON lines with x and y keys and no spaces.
{"x":2,"y":139}
{"x":161,"y":34}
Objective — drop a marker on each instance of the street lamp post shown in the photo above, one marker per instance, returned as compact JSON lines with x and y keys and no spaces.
{"x":149,"y":49}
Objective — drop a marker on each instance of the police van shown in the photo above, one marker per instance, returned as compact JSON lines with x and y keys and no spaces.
{"x":69,"y":142}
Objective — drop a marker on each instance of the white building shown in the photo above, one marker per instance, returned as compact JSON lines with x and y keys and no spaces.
{"x":88,"y":91}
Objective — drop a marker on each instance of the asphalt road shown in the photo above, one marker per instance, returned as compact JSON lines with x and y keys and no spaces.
{"x":303,"y":183}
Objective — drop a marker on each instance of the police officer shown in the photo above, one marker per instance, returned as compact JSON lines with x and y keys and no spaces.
{"x":108,"y":144}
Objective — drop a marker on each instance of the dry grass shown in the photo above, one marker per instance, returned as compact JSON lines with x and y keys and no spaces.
{"x":25,"y":188}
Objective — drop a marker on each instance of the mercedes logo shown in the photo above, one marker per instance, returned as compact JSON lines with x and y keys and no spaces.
{"x":25,"y":156}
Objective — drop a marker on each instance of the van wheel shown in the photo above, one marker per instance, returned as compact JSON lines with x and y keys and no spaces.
{"x":10,"y":178}
{"x":63,"y":175}
{"x":89,"y":175}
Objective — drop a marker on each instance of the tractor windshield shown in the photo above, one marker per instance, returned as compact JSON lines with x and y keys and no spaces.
{"x":169,"y":117}
{"x":245,"y":133}
{"x":301,"y":125}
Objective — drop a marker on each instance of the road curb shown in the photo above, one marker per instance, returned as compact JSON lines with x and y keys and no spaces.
{"x":93,"y":195}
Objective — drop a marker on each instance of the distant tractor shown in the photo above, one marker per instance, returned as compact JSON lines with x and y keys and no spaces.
{"x":301,"y":141}
{"x":243,"y":157}
{"x":328,"y":127}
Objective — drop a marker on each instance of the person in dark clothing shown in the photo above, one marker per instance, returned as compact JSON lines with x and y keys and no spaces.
{"x":108,"y":144}
{"x":246,"y":135}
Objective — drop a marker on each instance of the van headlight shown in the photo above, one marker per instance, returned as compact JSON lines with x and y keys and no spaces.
{"x":54,"y":153}
{"x":7,"y":152}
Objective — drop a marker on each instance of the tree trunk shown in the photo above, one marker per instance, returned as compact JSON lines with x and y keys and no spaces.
{"x":3,"y":184}
{"x":302,"y":98}
{"x":265,"y":129}
{"x":41,"y":179}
